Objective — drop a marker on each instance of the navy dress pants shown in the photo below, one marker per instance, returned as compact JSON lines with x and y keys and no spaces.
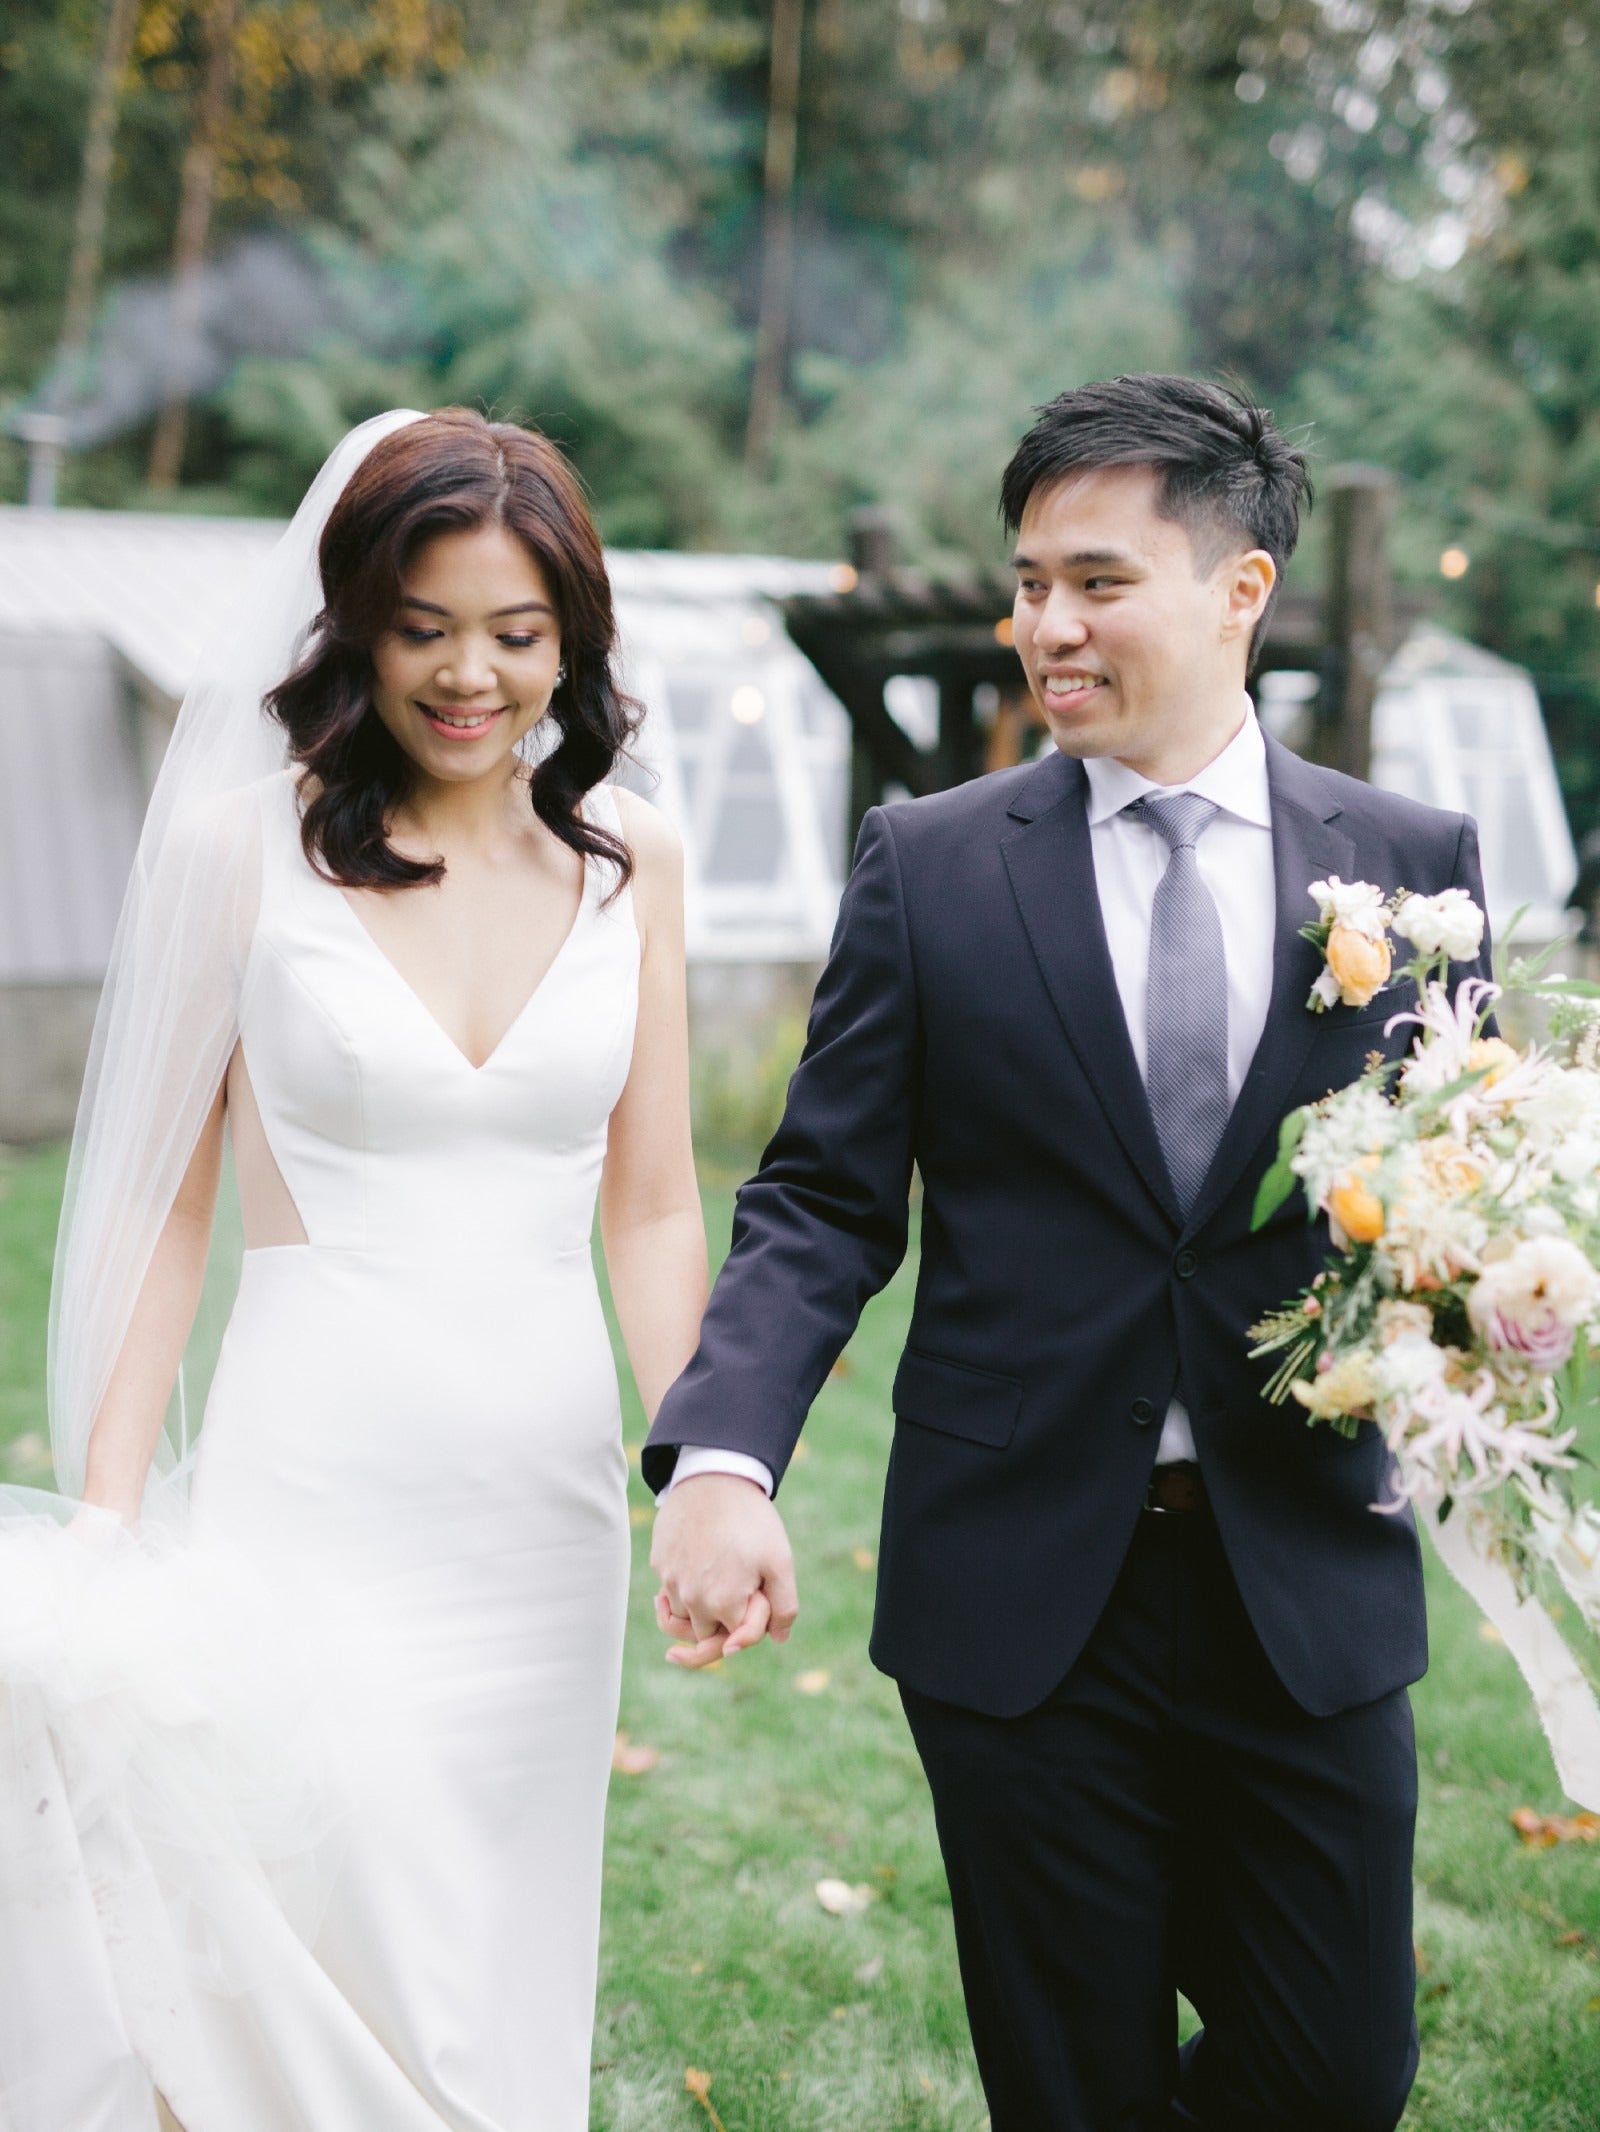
{"x":1170,"y":1820}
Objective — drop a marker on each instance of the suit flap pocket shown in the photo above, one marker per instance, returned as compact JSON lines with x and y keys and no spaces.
{"x":980,"y":1405}
{"x":1393,"y":999}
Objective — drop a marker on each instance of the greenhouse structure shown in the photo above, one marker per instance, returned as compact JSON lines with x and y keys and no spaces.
{"x":103,"y":615}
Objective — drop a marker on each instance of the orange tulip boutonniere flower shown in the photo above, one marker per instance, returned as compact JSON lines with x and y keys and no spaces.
{"x":1352,"y":931}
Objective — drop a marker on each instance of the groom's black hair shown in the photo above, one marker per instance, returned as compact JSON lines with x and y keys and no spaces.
{"x":1225,"y":471}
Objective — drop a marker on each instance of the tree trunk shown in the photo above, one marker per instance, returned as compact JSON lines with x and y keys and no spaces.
{"x":89,"y":230}
{"x":201,"y":166}
{"x":777,"y":234}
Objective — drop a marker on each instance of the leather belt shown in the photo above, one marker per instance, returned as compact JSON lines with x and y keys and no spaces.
{"x":1178,"y":1488}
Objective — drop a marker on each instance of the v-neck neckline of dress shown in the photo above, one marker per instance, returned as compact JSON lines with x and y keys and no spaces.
{"x":482,"y":1065}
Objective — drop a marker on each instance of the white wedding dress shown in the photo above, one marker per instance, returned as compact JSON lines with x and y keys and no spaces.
{"x":412,"y":1457}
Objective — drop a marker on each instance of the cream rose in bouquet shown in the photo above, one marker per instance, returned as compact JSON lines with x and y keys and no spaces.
{"x":1460,"y":1311}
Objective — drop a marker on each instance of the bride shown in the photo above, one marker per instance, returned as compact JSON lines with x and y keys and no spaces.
{"x":306,"y":1731}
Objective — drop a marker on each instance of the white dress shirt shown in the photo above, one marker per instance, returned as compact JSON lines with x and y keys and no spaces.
{"x":1235,"y":860}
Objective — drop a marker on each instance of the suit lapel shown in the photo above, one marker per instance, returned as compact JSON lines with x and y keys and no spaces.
{"x":1052,"y":877}
{"x":1306,"y":846}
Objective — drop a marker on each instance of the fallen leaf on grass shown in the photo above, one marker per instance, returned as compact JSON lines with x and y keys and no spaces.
{"x":638,"y":1515}
{"x":800,"y":1453}
{"x":1541,"y":1831}
{"x":869,"y":1972}
{"x":839,"y":1899}
{"x":631,"y":1761}
{"x":1489,"y":1633}
{"x":1571,"y":1939}
{"x":814,"y":1682}
{"x":1593,"y":2007}
{"x":30,"y":1452}
{"x":699,"y":2086}
{"x":864,"y":1558}
{"x":633,"y":1451}
{"x":844,"y":1367}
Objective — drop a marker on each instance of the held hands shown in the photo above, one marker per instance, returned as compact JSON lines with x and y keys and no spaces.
{"x":727,"y":1575}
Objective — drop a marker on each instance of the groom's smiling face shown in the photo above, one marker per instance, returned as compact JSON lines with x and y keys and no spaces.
{"x":1133,"y":632}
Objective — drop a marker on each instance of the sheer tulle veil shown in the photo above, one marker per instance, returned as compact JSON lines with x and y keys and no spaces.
{"x":167,"y":1019}
{"x":168,"y":1817}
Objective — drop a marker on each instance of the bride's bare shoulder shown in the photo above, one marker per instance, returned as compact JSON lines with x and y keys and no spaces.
{"x":656,"y":846}
{"x":657,"y":867}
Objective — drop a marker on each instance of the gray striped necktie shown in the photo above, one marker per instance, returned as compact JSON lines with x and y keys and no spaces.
{"x":1186,"y":1025}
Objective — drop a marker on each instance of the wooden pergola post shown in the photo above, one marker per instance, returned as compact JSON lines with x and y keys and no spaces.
{"x":1360,"y":613}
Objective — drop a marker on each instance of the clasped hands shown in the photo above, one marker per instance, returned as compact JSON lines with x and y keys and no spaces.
{"x":726,"y":1569}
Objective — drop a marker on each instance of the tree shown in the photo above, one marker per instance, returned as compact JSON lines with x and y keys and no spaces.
{"x":249,"y":55}
{"x":88,"y":236}
{"x":777,"y":232}
{"x":202,"y":165}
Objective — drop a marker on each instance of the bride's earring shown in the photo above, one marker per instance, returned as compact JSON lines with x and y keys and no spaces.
{"x":561,"y":674}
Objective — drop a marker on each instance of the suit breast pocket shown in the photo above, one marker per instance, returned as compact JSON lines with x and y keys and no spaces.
{"x":978,"y":1405}
{"x":1394,"y":999}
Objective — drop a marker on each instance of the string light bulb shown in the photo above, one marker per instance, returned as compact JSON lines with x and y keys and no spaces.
{"x":1455,"y":562}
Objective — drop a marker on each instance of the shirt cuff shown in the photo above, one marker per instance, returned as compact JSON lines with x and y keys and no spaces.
{"x":695,"y":1459}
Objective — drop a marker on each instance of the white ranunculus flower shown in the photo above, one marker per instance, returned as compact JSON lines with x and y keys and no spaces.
{"x":1449,"y":923}
{"x":1407,"y":1363}
{"x":1359,"y":1122}
{"x":1574,"y":1159}
{"x":1461,"y":933}
{"x":1565,"y":1107}
{"x":1356,"y":904}
{"x":1543,"y":1278}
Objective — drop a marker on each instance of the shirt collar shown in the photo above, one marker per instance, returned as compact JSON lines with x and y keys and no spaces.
{"x":1235,"y":780}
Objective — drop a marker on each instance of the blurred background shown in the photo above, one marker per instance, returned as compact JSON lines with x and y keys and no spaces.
{"x":786,"y":277}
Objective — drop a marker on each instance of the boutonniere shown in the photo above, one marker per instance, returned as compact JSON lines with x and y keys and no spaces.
{"x":1351,"y":934}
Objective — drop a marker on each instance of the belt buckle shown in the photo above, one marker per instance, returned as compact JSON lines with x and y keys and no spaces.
{"x":1184,"y":1479}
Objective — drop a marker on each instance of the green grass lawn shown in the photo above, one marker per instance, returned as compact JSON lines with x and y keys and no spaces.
{"x":785,"y":1767}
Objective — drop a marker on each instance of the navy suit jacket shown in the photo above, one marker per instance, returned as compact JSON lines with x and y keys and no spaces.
{"x":968,"y":1023}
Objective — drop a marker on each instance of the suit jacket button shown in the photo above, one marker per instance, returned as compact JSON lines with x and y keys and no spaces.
{"x":1186,"y":1265}
{"x":1143,"y":1412}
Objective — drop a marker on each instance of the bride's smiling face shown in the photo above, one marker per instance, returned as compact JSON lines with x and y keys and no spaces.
{"x":471,"y":661}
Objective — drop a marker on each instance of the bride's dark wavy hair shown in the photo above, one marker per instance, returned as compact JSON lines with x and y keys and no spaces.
{"x":450,"y":472}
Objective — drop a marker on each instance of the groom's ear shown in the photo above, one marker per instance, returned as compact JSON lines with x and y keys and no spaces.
{"x":1247,"y":583}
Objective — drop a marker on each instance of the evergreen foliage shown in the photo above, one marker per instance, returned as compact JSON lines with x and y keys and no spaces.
{"x":1382,"y":215}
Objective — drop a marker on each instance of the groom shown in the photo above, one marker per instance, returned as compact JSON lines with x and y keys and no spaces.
{"x":1152,"y":1641}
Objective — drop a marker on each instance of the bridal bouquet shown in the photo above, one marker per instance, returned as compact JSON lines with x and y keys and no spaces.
{"x":1461,"y":1309}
